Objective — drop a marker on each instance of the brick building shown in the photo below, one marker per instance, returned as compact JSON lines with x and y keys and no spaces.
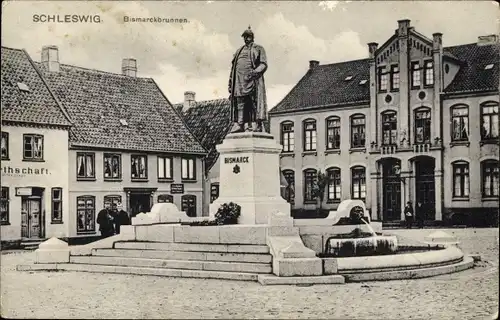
{"x":416,"y":121}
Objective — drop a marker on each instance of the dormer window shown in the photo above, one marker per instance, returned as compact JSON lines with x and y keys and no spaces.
{"x":124,"y":122}
{"x":489,"y":66}
{"x":348,"y":78}
{"x":363,"y":82}
{"x":23,"y":87}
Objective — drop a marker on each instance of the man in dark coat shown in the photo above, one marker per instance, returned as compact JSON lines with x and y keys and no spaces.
{"x":246,"y":86}
{"x":121,"y":217}
{"x":105,"y":221}
{"x":409,"y":215}
{"x":420,"y":215}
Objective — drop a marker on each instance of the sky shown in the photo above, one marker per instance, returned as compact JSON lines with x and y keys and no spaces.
{"x":196,"y":56}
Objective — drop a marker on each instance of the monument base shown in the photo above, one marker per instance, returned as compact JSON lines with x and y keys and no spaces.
{"x":255,"y":210}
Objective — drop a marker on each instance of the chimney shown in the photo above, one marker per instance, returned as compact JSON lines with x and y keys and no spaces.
{"x":487,"y":40}
{"x":372,"y":47}
{"x":437,"y":41}
{"x":129,"y":67}
{"x":313,"y":64}
{"x":189,"y":100}
{"x":403,"y":26}
{"x":50,"y":58}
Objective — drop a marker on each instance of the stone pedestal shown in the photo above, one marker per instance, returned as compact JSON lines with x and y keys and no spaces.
{"x":52,"y":251}
{"x":250,"y":176}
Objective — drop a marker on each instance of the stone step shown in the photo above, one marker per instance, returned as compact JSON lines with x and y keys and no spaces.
{"x":161,"y":272}
{"x":174,"y":264}
{"x":185,"y":255}
{"x":198,"y":247}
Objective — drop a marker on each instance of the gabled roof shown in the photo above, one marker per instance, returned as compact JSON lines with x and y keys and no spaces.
{"x":115,"y":111}
{"x":210,"y":122}
{"x":472,"y":76}
{"x":326,"y":86}
{"x":25,"y":96}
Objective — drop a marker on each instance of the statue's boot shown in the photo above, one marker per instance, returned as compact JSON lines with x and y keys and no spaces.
{"x":237,"y":128}
{"x":249,"y":127}
{"x":259,"y":126}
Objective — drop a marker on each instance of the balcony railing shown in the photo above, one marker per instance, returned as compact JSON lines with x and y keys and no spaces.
{"x":405,"y":146}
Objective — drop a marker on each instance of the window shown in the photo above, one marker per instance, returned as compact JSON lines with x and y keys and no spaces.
{"x":85,"y":208}
{"x":214,"y":192}
{"x":85,"y":165}
{"x":165,"y":168}
{"x":188,"y":169}
{"x":428,"y":73}
{"x":287,"y":137}
{"x":310,"y":177}
{"x":112,"y":201}
{"x":394,"y":77}
{"x":489,"y":121}
{"x":415,"y":74}
{"x":309,"y":135}
{"x":423,"y":126}
{"x":112,"y":166}
{"x":5,"y":145}
{"x":290,"y":188}
{"x":489,"y":179}
{"x":139,"y":167}
{"x":460,"y":123}
{"x":334,"y":184}
{"x":189,"y":205}
{"x":382,"y":79}
{"x":460,"y":179}
{"x":165,"y":198}
{"x":57,"y":205}
{"x":358,"y":131}
{"x":4,"y":219}
{"x":358,"y":183}
{"x":389,"y":128}
{"x":333,"y":133}
{"x":33,"y":147}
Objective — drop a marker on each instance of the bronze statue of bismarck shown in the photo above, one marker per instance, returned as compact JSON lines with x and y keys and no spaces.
{"x":246,"y":86}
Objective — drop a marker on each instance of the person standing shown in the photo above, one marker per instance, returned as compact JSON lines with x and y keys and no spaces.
{"x":105,"y":221}
{"x":420,"y":215}
{"x":409,"y":215}
{"x":121,"y":217}
{"x":247,"y":91}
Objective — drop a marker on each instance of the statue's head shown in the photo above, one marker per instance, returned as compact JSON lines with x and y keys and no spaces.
{"x":248,"y":35}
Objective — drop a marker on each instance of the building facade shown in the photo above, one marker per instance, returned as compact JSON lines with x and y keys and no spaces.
{"x":416,"y":121}
{"x":34,"y":154}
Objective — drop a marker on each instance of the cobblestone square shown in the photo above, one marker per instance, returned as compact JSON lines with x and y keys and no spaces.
{"x":471,"y":294}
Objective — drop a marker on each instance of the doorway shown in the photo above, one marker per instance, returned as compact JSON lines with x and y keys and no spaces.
{"x":31,"y":217}
{"x":391,"y":190}
{"x":139,"y":202}
{"x":425,"y":187}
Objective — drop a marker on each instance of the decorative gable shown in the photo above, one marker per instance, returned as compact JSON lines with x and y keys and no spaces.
{"x":419,"y":45}
{"x":388,"y":52}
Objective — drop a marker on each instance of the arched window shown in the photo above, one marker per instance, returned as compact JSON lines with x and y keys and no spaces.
{"x":489,"y":121}
{"x":423,"y":125}
{"x":334,"y":184}
{"x":358,"y":128}
{"x":460,"y":123}
{"x":85,"y":214}
{"x":287,"y":136}
{"x":489,"y":178}
{"x":165,"y":198}
{"x":290,"y":188}
{"x":460,"y":179}
{"x":310,"y":177}
{"x":309,"y":135}
{"x":358,"y":182}
{"x":333,"y":133}
{"x":389,"y":128}
{"x":214,"y":191}
{"x":189,"y":204}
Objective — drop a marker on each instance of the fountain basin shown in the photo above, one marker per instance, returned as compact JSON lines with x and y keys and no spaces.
{"x":367,"y":245}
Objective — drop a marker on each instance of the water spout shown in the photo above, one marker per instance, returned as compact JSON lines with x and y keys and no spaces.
{"x":369,"y":227}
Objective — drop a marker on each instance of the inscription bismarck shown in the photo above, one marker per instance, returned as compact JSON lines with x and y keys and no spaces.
{"x":237,"y":160}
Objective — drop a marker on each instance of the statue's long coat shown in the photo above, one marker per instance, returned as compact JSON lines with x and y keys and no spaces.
{"x":259,"y":64}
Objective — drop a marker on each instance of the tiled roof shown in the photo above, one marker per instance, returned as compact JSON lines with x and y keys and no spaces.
{"x":117,"y":111}
{"x":210,"y":122}
{"x":472,"y":76}
{"x":36,"y":106}
{"x":326,"y":85}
